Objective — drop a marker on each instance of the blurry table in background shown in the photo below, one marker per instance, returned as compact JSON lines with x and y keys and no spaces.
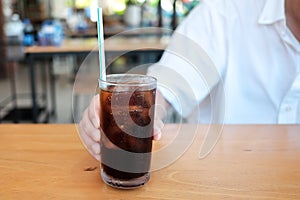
{"x":146,"y":46}
{"x":9,"y":109}
{"x":248,"y":162}
{"x":114,"y":44}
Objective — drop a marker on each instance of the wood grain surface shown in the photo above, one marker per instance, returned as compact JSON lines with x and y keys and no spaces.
{"x":248,"y":162}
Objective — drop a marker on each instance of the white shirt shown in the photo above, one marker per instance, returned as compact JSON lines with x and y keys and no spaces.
{"x":256,"y":73}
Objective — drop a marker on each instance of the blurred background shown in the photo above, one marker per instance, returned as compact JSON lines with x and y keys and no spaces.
{"x":43,"y":43}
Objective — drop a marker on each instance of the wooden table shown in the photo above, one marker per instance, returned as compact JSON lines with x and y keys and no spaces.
{"x":114,"y":48}
{"x":248,"y":162}
{"x":113,"y":44}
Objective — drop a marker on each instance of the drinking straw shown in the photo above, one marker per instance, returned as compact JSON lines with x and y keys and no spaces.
{"x":101,"y":45}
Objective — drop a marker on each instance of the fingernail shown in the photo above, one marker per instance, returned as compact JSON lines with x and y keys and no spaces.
{"x":96,"y":148}
{"x":96,"y":123}
{"x":97,"y":157}
{"x":96,"y":135}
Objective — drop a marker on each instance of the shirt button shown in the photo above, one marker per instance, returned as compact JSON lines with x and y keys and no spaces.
{"x":288,"y":108}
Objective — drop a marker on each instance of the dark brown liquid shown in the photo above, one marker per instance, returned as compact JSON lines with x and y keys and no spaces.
{"x":127,"y":126}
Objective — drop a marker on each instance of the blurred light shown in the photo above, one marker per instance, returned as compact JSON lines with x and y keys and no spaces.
{"x":82,"y":3}
{"x":119,"y":6}
{"x":93,"y":10}
{"x":167,"y":5}
{"x":141,"y":1}
{"x":179,"y":8}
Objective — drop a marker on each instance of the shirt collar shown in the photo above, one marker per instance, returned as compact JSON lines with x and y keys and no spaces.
{"x":272,"y":12}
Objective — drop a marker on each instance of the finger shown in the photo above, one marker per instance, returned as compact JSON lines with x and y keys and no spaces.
{"x":92,"y":146}
{"x":88,"y":128}
{"x":94,"y":111}
{"x":88,"y":142}
{"x":96,"y":148}
{"x":97,"y":157}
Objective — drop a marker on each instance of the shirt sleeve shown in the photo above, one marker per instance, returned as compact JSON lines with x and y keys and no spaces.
{"x":187,"y":70}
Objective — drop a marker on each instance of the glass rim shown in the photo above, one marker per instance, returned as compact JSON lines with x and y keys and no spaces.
{"x":152,"y":80}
